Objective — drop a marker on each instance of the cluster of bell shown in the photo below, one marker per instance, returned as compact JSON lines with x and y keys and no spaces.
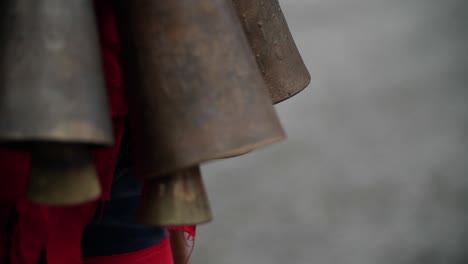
{"x":201,"y":78}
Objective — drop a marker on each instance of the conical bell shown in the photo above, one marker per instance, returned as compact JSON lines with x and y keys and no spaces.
{"x":178,"y":199}
{"x":57,"y":169}
{"x":52,"y":90}
{"x":277,"y":55}
{"x":194,"y":90}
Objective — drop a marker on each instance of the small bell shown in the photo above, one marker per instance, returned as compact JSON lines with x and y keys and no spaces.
{"x":178,"y":199}
{"x":62,"y":174}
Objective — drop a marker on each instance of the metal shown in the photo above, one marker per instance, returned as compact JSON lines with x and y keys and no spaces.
{"x":194,"y":90}
{"x":51,"y":78}
{"x":178,"y":199}
{"x":277,"y":55}
{"x":62,"y":175}
{"x":53,"y":95}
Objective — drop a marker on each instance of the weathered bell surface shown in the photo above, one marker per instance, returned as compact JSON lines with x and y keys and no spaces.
{"x":51,"y":78}
{"x":178,"y":199}
{"x":195,"y":92}
{"x":53,"y":95}
{"x":277,"y":55}
{"x":62,"y":174}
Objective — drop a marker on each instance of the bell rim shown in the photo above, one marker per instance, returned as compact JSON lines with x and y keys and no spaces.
{"x":299,"y":88}
{"x":23,"y":141}
{"x":236,"y":152}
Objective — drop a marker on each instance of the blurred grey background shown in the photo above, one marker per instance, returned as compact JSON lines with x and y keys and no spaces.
{"x":375,"y":169}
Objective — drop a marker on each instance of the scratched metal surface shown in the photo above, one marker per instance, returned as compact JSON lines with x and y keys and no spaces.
{"x":375,"y":167}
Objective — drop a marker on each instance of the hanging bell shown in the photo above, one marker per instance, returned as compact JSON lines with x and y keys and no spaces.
{"x":178,"y":199}
{"x":58,"y":169}
{"x":53,"y":100}
{"x":270,"y":39}
{"x":195,"y":92}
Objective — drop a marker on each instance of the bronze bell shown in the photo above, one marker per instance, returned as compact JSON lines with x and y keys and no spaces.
{"x":195,"y":92}
{"x":277,"y":55}
{"x":52,"y":94}
{"x":58,"y":168}
{"x":178,"y":199}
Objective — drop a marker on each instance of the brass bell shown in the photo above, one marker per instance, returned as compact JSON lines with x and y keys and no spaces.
{"x":178,"y":199}
{"x":58,"y":169}
{"x":275,"y":50}
{"x":52,"y":94}
{"x":194,"y":90}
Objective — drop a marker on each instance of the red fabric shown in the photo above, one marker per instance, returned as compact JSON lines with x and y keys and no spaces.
{"x":30,"y":232}
{"x":64,"y":243}
{"x":35,"y":228}
{"x":160,"y":253}
{"x":5,"y":213}
{"x":190,"y":231}
{"x":105,"y":159}
{"x":110,"y":53}
{"x":14,"y":168}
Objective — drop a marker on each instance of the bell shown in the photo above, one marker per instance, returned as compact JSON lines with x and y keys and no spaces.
{"x":270,"y":39}
{"x":52,"y":93}
{"x":58,"y":169}
{"x":195,"y":92}
{"x":178,"y":199}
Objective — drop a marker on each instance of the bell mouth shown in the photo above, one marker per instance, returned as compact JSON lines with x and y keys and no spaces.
{"x":178,"y":199}
{"x":62,"y":174}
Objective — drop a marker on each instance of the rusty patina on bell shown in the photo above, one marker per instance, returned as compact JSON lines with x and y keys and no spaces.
{"x":275,"y":50}
{"x":52,"y":91}
{"x":194,"y":90}
{"x":178,"y":199}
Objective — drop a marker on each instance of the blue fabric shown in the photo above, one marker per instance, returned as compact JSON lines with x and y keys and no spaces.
{"x":115,"y":230}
